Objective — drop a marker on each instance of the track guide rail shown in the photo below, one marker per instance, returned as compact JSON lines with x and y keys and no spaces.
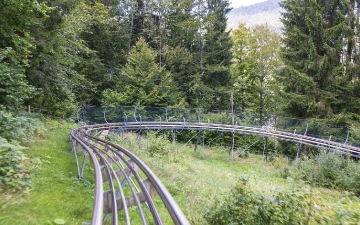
{"x":117,"y":169}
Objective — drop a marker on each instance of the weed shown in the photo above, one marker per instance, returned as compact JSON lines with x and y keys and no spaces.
{"x":330,"y":170}
{"x":243,"y":205}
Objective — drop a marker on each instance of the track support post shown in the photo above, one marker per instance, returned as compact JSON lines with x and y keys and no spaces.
{"x":197,"y":141}
{"x":81,"y":175}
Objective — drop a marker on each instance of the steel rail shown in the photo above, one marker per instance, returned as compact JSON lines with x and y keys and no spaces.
{"x":83,"y":138}
{"x":99,"y":189}
{"x":148,"y":198}
{"x":174,"y":210}
{"x":255,"y":131}
{"x":96,"y":148}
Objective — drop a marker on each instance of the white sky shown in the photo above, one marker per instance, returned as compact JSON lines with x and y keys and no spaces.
{"x":238,"y":3}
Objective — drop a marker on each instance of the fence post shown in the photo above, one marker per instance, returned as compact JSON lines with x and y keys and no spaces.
{"x":231,"y":152}
{"x":300,"y":144}
{"x":347,"y":135}
{"x":105,"y":114}
{"x":265,"y":153}
{"x":197,"y":141}
{"x":173,"y":139}
{"x":135,"y":112}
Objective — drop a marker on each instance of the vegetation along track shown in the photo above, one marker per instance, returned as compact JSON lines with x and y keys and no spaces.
{"x":119,"y":168}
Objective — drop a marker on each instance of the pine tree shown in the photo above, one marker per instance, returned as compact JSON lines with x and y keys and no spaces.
{"x":318,"y":44}
{"x":216,"y":55}
{"x":143,"y":81}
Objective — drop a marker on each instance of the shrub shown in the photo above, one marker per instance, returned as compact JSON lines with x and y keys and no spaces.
{"x":331,"y":170}
{"x":12,"y":173}
{"x":294,"y":206}
{"x":19,"y":128}
{"x":15,"y":131}
{"x":158,"y":145}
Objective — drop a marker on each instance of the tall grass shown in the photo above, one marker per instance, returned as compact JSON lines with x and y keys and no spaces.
{"x":198,"y":179}
{"x":195,"y":179}
{"x":56,"y":192}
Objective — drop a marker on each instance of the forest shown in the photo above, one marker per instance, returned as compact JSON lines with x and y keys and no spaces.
{"x":58,"y":55}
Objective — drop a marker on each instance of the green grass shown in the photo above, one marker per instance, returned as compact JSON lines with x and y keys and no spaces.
{"x":195,"y":180}
{"x":56,"y":193}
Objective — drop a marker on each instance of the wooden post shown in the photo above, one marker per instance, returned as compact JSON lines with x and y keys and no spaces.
{"x":28,"y":108}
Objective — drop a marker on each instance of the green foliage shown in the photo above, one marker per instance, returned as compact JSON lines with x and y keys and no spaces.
{"x":16,"y":19}
{"x":319,"y":75}
{"x":54,"y":185}
{"x":215,"y":68}
{"x":19,"y":128}
{"x":58,"y":54}
{"x":256,"y":60}
{"x":329,"y":169}
{"x":158,"y":146}
{"x":14,"y":89}
{"x":294,"y":206}
{"x":16,"y":130}
{"x":13,"y":175}
{"x":144,"y":81}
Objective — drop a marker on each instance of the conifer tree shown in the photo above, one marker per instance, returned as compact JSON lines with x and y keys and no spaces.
{"x":216,"y":56}
{"x":143,"y":81}
{"x":318,"y":44}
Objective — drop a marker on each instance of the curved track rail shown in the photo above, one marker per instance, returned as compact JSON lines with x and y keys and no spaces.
{"x":122,"y":181}
{"x":115,"y":167}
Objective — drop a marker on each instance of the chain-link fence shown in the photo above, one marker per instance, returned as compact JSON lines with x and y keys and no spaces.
{"x":113,"y":114}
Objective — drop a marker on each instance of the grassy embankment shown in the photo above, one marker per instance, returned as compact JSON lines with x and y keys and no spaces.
{"x":56,"y":193}
{"x":195,"y":179}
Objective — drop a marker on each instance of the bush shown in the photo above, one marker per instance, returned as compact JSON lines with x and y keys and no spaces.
{"x":330,"y":170}
{"x":158,"y":145}
{"x":294,"y":206}
{"x":12,"y":173}
{"x":19,"y":128}
{"x":15,"y":131}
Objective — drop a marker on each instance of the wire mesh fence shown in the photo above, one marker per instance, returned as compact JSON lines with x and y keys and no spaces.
{"x":113,"y":114}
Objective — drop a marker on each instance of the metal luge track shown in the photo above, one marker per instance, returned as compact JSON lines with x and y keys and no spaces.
{"x":120,"y":185}
{"x":123,"y":182}
{"x":255,"y":131}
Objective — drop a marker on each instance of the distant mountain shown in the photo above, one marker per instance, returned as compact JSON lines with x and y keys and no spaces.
{"x":261,"y":13}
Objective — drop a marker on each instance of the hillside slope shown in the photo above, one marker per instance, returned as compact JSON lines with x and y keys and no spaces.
{"x":261,"y":13}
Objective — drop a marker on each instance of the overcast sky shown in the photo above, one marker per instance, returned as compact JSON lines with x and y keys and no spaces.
{"x":238,"y":3}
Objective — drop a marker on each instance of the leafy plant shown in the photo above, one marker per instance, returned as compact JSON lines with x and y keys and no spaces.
{"x":19,"y":128}
{"x":12,"y":172}
{"x":16,"y":130}
{"x":329,"y":169}
{"x":293,"y":206}
{"x":158,"y":145}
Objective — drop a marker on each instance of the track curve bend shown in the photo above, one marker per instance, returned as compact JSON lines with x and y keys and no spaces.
{"x":122,"y":181}
{"x":116,"y":166}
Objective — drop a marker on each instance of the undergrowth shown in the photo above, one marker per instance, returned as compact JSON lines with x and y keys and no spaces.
{"x":56,"y":194}
{"x":201,"y":181}
{"x":296,"y":205}
{"x":328,"y":169}
{"x":15,"y":134}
